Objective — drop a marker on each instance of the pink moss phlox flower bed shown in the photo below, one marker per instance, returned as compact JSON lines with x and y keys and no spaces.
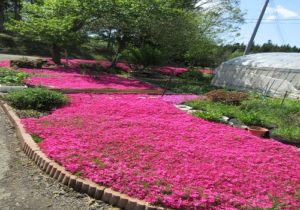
{"x":70,"y":78}
{"x":5,"y":63}
{"x":145,"y":147}
{"x":75,"y":63}
{"x":169,"y":70}
{"x":179,"y":98}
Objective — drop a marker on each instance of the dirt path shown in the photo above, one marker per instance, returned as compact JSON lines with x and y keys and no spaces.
{"x":24,"y":186}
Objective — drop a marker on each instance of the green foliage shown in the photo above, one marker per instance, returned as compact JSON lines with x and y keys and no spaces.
{"x":199,"y":89}
{"x":36,"y":139}
{"x":204,"y":52}
{"x":192,"y":75}
{"x":46,"y":22}
{"x":251,"y":118}
{"x":36,"y":99}
{"x":216,"y":109}
{"x":227,"y":97}
{"x":177,"y":84}
{"x":170,"y":26}
{"x":55,"y":22}
{"x":173,"y":28}
{"x":290,"y":133}
{"x":11,"y":77}
{"x":211,"y":116}
{"x":257,"y":110}
{"x":146,"y":56}
{"x":29,"y":113}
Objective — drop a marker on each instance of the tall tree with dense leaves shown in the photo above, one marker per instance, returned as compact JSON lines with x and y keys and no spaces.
{"x":2,"y":14}
{"x":172,"y":26}
{"x":55,"y":22}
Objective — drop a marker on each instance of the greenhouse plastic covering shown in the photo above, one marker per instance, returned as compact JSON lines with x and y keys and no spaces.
{"x":275,"y":74}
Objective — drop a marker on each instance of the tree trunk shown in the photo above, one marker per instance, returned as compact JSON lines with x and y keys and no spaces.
{"x":17,"y":8}
{"x":109,"y":39}
{"x":2,"y":10}
{"x":121,"y":46}
{"x":56,"y":56}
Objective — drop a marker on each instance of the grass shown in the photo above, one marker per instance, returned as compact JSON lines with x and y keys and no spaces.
{"x":36,"y":139}
{"x":177,"y":84}
{"x":283,"y":119}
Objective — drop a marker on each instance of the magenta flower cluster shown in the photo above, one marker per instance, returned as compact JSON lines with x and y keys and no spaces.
{"x":143,"y":146}
{"x":169,"y":70}
{"x":75,"y":63}
{"x":71,"y":78}
{"x":5,"y":63}
{"x":179,"y":98}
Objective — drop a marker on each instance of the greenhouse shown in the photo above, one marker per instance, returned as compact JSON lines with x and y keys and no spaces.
{"x":275,"y":74}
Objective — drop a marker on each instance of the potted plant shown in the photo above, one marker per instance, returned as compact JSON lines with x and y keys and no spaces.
{"x":258,"y":131}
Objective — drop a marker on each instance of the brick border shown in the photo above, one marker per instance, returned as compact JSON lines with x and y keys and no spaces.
{"x":54,"y":170}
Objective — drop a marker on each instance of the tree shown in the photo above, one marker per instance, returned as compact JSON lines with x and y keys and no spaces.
{"x":171,"y":26}
{"x":2,"y":13}
{"x":55,"y":22}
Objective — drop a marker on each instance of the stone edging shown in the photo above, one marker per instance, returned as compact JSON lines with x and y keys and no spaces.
{"x":54,"y":170}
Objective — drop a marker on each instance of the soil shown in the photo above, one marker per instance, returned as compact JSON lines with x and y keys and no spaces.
{"x":24,"y":186}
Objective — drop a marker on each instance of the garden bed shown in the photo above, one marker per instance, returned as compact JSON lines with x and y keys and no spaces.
{"x":11,"y":80}
{"x":281,"y":117}
{"x":143,"y":146}
{"x":72,"y":79}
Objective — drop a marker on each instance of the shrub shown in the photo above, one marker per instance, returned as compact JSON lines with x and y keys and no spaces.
{"x":143,"y":56}
{"x":192,"y":75}
{"x":189,"y":88}
{"x":251,"y":118}
{"x":210,"y":116}
{"x":37,"y":99}
{"x":26,"y":63}
{"x":227,"y":97}
{"x":8,"y":76}
{"x":217,"y":109}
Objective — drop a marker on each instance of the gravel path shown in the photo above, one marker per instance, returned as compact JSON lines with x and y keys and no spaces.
{"x":24,"y":186}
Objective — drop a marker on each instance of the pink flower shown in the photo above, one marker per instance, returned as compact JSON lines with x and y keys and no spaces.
{"x":5,"y":63}
{"x":171,"y":70}
{"x":143,"y":146}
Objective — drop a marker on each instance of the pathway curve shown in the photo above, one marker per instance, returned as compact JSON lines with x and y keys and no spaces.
{"x":24,"y":186}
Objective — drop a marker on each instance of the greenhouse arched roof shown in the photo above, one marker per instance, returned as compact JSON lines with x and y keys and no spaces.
{"x":274,"y":74}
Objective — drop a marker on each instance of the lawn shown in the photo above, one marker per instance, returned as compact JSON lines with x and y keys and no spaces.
{"x":186,"y":82}
{"x":143,"y":146}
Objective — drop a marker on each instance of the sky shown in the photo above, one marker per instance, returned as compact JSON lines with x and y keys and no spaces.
{"x":281,"y":22}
